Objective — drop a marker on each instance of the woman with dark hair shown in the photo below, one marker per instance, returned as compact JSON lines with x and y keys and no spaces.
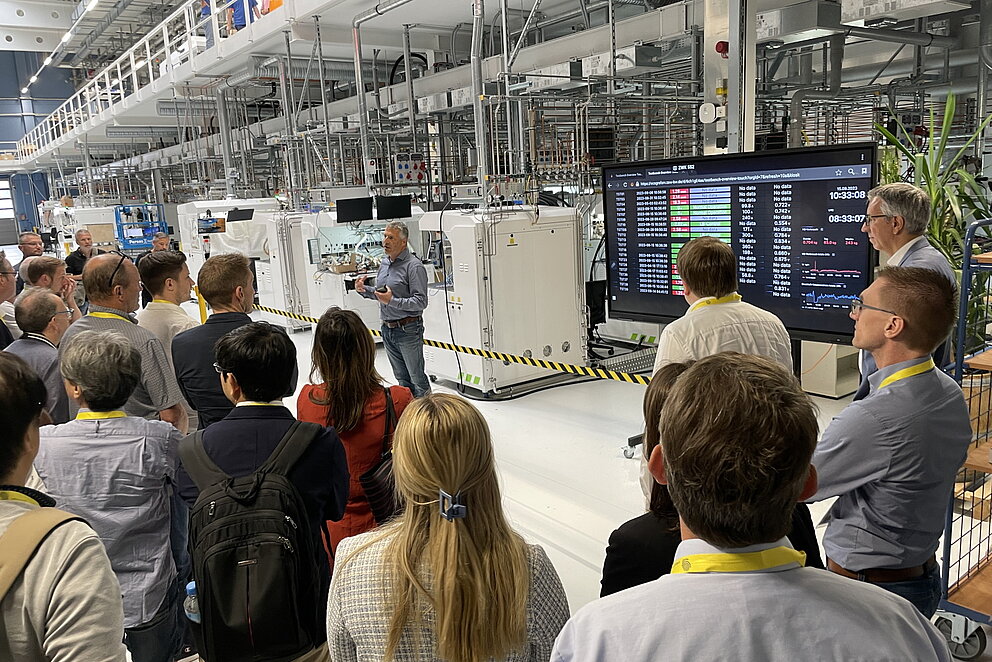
{"x":643,"y":549}
{"x":351,"y":398}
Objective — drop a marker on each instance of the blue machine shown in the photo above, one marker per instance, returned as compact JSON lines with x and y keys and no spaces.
{"x":138,"y":223}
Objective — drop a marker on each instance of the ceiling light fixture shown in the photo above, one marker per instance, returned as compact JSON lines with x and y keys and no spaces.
{"x":92,"y":5}
{"x":66,"y":37}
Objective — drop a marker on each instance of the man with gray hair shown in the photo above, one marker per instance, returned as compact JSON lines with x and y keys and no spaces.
{"x":117,"y":471}
{"x":401,"y":290}
{"x":896,"y":225}
{"x":44,"y":318}
{"x":30,"y":244}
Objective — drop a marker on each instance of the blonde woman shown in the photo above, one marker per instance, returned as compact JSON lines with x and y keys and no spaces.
{"x":449,"y":579}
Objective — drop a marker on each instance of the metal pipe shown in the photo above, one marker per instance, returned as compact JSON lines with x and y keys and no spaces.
{"x":287,"y":156}
{"x":411,"y":101}
{"x":523,"y":34}
{"x":363,"y":106}
{"x":224,"y":128}
{"x":832,"y":91}
{"x":481,"y":146}
{"x":903,"y":37}
{"x":985,"y":32}
{"x":322,"y":74}
{"x":510,"y":144}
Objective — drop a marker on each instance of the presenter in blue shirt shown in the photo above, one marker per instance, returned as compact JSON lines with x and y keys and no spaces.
{"x":890,"y":458}
{"x":401,"y":290}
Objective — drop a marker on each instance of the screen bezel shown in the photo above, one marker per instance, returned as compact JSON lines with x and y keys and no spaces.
{"x":393,"y":200}
{"x":794,"y":332}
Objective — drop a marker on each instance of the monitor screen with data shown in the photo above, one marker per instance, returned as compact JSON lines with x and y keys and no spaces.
{"x":793,"y":218}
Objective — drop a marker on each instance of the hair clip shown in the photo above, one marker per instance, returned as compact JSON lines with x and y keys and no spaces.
{"x":451,"y":506}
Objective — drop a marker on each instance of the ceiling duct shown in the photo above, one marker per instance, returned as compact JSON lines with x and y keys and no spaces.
{"x":141,"y":131}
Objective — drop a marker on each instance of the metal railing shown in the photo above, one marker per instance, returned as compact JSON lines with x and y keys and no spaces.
{"x":183,"y":34}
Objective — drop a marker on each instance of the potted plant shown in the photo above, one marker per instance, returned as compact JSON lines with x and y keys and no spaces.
{"x":956,"y":199}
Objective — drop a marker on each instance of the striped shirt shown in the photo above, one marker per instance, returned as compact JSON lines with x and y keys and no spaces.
{"x":157,"y":390}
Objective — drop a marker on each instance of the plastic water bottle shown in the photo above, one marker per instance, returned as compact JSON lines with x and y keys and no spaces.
{"x":191,"y":605}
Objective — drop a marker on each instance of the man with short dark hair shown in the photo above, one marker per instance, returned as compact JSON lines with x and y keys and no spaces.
{"x":50,"y":273}
{"x":255,"y":365}
{"x":117,"y":471}
{"x":112,"y":282}
{"x":166,"y":275}
{"x":717,"y":319}
{"x":891,"y":457}
{"x":44,"y":318}
{"x":66,"y":603}
{"x":30,"y":244}
{"x":160,"y":244}
{"x":738,"y":589}
{"x":225,"y":282}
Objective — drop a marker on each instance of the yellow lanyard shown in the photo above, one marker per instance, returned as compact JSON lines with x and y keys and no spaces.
{"x":911,"y":371}
{"x":98,"y":415}
{"x":108,"y":316}
{"x":10,"y":495}
{"x":256,"y":403}
{"x":163,"y":301}
{"x":712,"y":301}
{"x":745,"y":562}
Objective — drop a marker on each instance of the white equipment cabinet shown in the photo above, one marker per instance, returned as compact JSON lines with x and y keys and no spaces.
{"x":514,"y":286}
{"x":329,"y":289}
{"x":248,"y":237}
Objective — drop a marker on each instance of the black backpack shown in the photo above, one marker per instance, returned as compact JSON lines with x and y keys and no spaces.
{"x":257,"y":581}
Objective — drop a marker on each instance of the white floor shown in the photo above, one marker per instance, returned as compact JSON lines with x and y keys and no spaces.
{"x":566,"y":483}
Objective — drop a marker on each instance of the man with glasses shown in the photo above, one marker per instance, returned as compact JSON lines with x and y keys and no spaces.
{"x":30,"y":244}
{"x":113,"y":286}
{"x":896,"y":225}
{"x":9,"y":331}
{"x":891,"y":457}
{"x":44,"y":319}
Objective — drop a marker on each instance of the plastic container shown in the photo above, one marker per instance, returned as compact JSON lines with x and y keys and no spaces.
{"x":191,"y":605}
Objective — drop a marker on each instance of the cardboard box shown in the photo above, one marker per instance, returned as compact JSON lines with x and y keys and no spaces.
{"x":345,"y":267}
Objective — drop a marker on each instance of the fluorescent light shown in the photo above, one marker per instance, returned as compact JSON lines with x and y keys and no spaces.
{"x":48,"y":60}
{"x":92,"y":5}
{"x":24,"y":90}
{"x":66,"y":37}
{"x":34,"y":79}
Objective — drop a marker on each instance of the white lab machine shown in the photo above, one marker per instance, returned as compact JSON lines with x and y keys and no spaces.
{"x":512,"y":283}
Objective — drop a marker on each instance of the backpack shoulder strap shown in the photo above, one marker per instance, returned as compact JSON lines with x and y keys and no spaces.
{"x":198,"y":464}
{"x":22,"y":539}
{"x":292,"y":446}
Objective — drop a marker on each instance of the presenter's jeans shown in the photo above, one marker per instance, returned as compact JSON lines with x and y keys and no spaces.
{"x":405,"y":349}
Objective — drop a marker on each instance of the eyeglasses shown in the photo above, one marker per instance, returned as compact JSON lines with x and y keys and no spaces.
{"x":219,"y":370}
{"x":110,"y":283}
{"x":8,"y":273}
{"x":871,"y":217}
{"x":858,"y":304}
{"x":67,"y":311}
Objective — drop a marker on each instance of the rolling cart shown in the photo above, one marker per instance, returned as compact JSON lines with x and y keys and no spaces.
{"x":966,"y":600}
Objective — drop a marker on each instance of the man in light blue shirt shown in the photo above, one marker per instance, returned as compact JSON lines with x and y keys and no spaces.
{"x":116,"y":471}
{"x":737,"y":434}
{"x":891,"y":458}
{"x":401,"y":290}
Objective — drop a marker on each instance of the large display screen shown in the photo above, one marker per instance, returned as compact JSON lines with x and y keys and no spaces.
{"x":793,"y":218}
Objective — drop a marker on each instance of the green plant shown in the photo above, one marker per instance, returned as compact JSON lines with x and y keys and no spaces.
{"x":956,"y":199}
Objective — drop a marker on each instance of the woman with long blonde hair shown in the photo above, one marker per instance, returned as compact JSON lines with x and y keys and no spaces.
{"x":448,"y":579}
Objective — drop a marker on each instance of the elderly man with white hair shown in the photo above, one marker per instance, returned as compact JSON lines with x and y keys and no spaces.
{"x":401,"y":290}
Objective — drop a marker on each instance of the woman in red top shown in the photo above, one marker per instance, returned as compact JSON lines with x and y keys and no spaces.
{"x":352,"y":399}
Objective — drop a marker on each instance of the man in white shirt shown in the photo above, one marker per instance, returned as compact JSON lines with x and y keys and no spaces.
{"x":717,"y":319}
{"x":737,"y":434}
{"x":166,"y":275}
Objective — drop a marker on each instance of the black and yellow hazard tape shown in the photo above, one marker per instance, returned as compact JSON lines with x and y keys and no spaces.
{"x":571,"y":369}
